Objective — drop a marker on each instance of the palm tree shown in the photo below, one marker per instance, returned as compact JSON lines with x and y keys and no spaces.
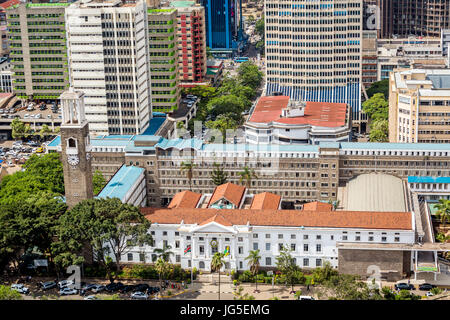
{"x":443,"y":210}
{"x":247,"y":175}
{"x":188,"y":167}
{"x":163,"y":253}
{"x":253,"y":262}
{"x":162,"y":267}
{"x":217,"y":263}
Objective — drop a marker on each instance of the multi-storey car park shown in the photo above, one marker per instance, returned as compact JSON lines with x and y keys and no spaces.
{"x":38,"y":50}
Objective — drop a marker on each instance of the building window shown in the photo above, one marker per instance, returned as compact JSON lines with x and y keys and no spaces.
{"x":268,"y":246}
{"x":293,"y":246}
{"x":344,"y":237}
{"x":318,"y":248}
{"x":305,"y":248}
{"x":318,"y":237}
{"x":227,"y":239}
{"x":268,"y":261}
{"x":201,"y":239}
{"x":292,"y":236}
{"x":383,"y":239}
{"x":165,"y":244}
{"x":240,"y":239}
{"x":357,"y":238}
{"x":240,"y":265}
{"x":318,"y":262}
{"x":241,"y":250}
{"x":255,"y":236}
{"x":267,"y":235}
{"x":177,"y":244}
{"x":142,"y":257}
{"x":397,"y":239}
{"x":188,"y":237}
{"x":255,"y":245}
{"x":130,"y":257}
{"x":164,"y":233}
{"x":305,"y":237}
{"x":152,"y":233}
{"x":331,"y":237}
{"x":280,"y":246}
{"x":178,"y":258}
{"x":153,"y":257}
{"x":177,"y":234}
{"x":201,"y":249}
{"x":370,"y":238}
{"x":305,"y":262}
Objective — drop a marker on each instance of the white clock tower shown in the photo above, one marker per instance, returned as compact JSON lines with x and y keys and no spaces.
{"x":76,"y":148}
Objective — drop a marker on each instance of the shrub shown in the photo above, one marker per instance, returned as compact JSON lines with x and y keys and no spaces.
{"x":268,"y":280}
{"x":436,"y":291}
{"x":235,"y":282}
{"x":169,"y":293}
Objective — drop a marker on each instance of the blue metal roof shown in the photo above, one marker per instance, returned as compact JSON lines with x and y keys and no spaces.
{"x":395,"y":146}
{"x":121,"y":182}
{"x":180,"y":144}
{"x":154,"y":124}
{"x":418,"y":179}
{"x":55,"y":142}
{"x":259,"y":147}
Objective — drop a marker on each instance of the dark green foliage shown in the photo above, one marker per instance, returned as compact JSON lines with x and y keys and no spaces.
{"x":218,"y":175}
{"x":379,"y":87}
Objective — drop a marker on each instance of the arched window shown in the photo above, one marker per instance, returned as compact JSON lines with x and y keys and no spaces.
{"x":201,"y":265}
{"x":71,"y":143}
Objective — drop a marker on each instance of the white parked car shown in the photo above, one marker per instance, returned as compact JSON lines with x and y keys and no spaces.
{"x":26,"y":116}
{"x":68,"y":291}
{"x":429,"y":294}
{"x":19,"y":287}
{"x":38,"y":116}
{"x":98,"y":288}
{"x":65,"y":283}
{"x":305,"y":298}
{"x":139,"y":295}
{"x":91,"y":298}
{"x":10,"y":164}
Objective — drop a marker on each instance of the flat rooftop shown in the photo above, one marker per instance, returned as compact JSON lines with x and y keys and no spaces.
{"x":320,"y":114}
{"x":119,"y":185}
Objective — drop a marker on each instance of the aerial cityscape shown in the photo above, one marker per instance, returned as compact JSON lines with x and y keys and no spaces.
{"x":225,"y":150}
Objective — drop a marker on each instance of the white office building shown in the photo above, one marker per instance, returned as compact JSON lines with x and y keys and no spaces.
{"x":108,"y":60}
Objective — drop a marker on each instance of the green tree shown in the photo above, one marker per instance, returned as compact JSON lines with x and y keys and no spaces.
{"x":209,"y":54}
{"x":218,"y":175}
{"x":377,"y":107}
{"x":20,"y":129}
{"x":247,"y":175}
{"x":286,"y":264}
{"x":379,"y":87}
{"x":163,"y":268}
{"x":98,"y":182}
{"x":188,"y":168}
{"x":379,"y":131}
{"x":222,"y":123}
{"x":6,"y":293}
{"x":48,"y":169}
{"x":226,"y":104}
{"x":217,"y":263}
{"x":108,"y":226}
{"x":249,"y":75}
{"x":259,"y":27}
{"x":253,"y":262}
{"x":163,"y":253}
{"x":443,"y":210}
{"x":442,"y":237}
{"x":45,"y":131}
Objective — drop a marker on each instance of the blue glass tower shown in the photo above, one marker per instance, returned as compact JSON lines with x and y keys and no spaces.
{"x":221,"y":23}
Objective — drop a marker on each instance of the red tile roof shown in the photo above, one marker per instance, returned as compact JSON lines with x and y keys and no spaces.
{"x":317,"y":206}
{"x":321,"y":114}
{"x":217,"y":218}
{"x":9,"y":3}
{"x":265,"y":200}
{"x":185,"y":199}
{"x":230,"y":191}
{"x":283,"y":218}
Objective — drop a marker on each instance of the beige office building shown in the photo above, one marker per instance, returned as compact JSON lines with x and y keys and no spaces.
{"x":419,"y":106}
{"x":313,"y":50}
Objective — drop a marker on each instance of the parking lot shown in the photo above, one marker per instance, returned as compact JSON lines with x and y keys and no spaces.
{"x":15,"y":153}
{"x":33,"y":113}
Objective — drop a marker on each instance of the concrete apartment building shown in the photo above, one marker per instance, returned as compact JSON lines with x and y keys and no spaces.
{"x":191,"y":34}
{"x":419,"y":106}
{"x":412,"y":17}
{"x":163,"y":52}
{"x":109,"y":61}
{"x":38,"y":52}
{"x":314,"y":50}
{"x":369,"y":58}
{"x":4,"y":44}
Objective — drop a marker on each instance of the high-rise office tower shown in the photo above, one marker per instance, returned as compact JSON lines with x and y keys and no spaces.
{"x":163,"y":52}
{"x":37,"y":38}
{"x":109,"y":62}
{"x":191,"y":42}
{"x":313,"y":50}
{"x":412,"y":17}
{"x":221,"y":25}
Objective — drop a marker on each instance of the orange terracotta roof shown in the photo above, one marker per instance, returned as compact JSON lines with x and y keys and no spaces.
{"x":317,"y":206}
{"x":321,"y":114}
{"x":284,"y":218}
{"x":265,"y":200}
{"x":217,"y":218}
{"x":9,"y":3}
{"x":185,"y":199}
{"x":230,"y":191}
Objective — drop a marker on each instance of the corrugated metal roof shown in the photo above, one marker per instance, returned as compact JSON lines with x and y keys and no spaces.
{"x":121,"y":182}
{"x":414,"y":179}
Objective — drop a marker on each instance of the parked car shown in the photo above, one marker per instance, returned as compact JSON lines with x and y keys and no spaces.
{"x":141,"y":287}
{"x":88,"y":286}
{"x":139,"y":295}
{"x":112,"y":287}
{"x":403,"y":286}
{"x":429,"y":294}
{"x":19,"y":287}
{"x":98,"y":288}
{"x":38,"y":116}
{"x":67,"y":291}
{"x":305,"y":298}
{"x":65,"y":283}
{"x":39,"y":150}
{"x":26,"y":116}
{"x":91,"y":298}
{"x":48,"y":285}
{"x":153,"y":290}
{"x":10,"y":164}
{"x":426,"y":287}
{"x":127,"y":288}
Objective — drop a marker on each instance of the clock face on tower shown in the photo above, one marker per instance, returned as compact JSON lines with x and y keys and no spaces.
{"x":73,"y":160}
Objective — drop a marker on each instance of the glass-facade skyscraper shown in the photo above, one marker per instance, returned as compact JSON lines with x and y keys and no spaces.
{"x":221,"y":23}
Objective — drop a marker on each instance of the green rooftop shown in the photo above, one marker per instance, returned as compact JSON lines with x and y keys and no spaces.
{"x":159,"y":10}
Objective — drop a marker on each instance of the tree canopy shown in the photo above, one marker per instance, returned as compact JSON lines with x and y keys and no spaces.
{"x":379,"y":131}
{"x":379,"y":87}
{"x":376,"y":108}
{"x":98,"y":181}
